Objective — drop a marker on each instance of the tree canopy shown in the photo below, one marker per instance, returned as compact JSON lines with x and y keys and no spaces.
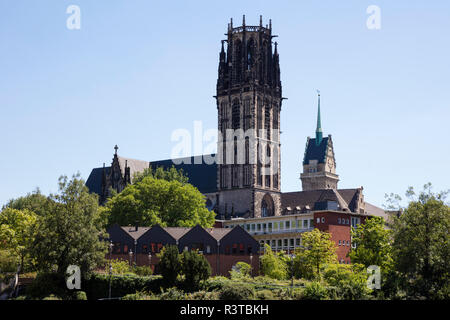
{"x":153,"y":201}
{"x":317,"y":249}
{"x":68,"y":234}
{"x":421,"y":244}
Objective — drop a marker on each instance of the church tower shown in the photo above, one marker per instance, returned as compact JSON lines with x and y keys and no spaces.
{"x":248,"y":104}
{"x":319,"y":164}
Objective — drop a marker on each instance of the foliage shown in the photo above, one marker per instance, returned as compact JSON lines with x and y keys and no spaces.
{"x":8,"y":262}
{"x":16,"y":232}
{"x":240,"y":270}
{"x":195,"y":268}
{"x":157,"y":201}
{"x":422,"y":246}
{"x":118,"y":266}
{"x":203,"y":295}
{"x":171,"y":174}
{"x":96,"y":285}
{"x":79,"y":295}
{"x":52,"y":297}
{"x":272,"y":265}
{"x":237,"y":291}
{"x":315,"y":291}
{"x":45,"y":284}
{"x":350,"y":281}
{"x":265,"y":295}
{"x":317,"y":250}
{"x":170,"y":265}
{"x":216,"y":283}
{"x":35,"y":202}
{"x":142,"y":270}
{"x":67,"y":234}
{"x":139,"y":296}
{"x":373,"y":244}
{"x":172,"y":294}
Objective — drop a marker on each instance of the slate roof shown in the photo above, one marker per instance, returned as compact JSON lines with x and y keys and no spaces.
{"x":94,"y":181}
{"x":134,"y":165}
{"x":218,"y":233}
{"x":177,"y":232}
{"x":375,"y":211}
{"x":202,"y":175}
{"x":314,"y":152}
{"x":133,"y":233}
{"x":310,"y":198}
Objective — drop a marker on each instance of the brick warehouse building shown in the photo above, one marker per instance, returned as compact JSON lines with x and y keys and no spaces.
{"x":222,"y":247}
{"x":249,"y":97}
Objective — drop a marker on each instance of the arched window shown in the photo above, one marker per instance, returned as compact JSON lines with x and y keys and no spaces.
{"x":236,"y":114}
{"x":250,"y":53}
{"x":267,"y":206}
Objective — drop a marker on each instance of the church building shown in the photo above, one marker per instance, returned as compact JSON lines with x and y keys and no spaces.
{"x":244,"y":186}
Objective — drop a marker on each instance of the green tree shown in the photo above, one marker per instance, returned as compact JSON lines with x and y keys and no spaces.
{"x":67,"y":234}
{"x":317,"y":249}
{"x":157,"y":201}
{"x":240,"y":270}
{"x":16,"y":232}
{"x":171,"y":174}
{"x":373,"y":244}
{"x":349,"y":281}
{"x":34,"y":201}
{"x":169,"y":264}
{"x":195,"y":269}
{"x":273,"y":265}
{"x":421,"y":244}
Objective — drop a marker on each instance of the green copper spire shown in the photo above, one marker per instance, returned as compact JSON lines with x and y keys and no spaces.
{"x":319,"y":126}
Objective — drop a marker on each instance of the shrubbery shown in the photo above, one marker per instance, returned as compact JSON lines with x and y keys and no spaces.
{"x":237,"y":291}
{"x":97,"y":286}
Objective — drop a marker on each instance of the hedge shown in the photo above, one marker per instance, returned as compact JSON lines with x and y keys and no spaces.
{"x":97,"y":285}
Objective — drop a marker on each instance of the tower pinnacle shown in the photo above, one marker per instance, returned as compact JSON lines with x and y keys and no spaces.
{"x":319,"y":125}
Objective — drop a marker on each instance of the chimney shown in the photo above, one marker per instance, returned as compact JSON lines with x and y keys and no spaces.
{"x":136,"y":228}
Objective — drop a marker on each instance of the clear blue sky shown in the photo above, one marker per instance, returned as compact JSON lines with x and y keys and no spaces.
{"x":137,"y":70}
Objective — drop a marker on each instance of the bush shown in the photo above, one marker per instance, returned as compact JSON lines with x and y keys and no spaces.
{"x":79,"y":295}
{"x":216,"y":283}
{"x":349,"y":282}
{"x":170,"y":265}
{"x":203,"y":295}
{"x":46,"y":284}
{"x":118,"y":266}
{"x":144,"y":271}
{"x":265,"y":295}
{"x":97,"y":286}
{"x":139,"y":296}
{"x":273,"y":265}
{"x":240,"y":270}
{"x":237,"y":291}
{"x":52,"y":297}
{"x":315,"y":291}
{"x":195,"y":269}
{"x":172,"y":294}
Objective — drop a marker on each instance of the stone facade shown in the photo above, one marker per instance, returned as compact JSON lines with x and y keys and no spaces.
{"x":249,"y":104}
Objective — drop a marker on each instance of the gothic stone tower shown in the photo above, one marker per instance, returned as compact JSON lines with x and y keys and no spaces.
{"x":249,"y":101}
{"x":319,"y":164}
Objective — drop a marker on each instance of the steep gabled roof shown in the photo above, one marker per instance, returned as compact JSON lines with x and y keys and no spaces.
{"x":315,"y":152}
{"x":200,"y":174}
{"x":309,"y":198}
{"x":177,"y":232}
{"x":134,"y":165}
{"x":218,"y":233}
{"x":135,"y":234}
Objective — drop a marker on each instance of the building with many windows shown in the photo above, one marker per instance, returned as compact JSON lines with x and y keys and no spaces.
{"x":242,"y":183}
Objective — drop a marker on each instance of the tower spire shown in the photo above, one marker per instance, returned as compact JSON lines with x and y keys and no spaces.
{"x":319,"y":125}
